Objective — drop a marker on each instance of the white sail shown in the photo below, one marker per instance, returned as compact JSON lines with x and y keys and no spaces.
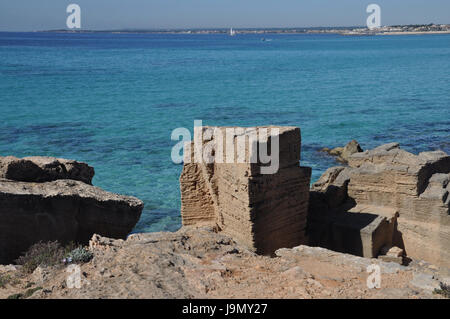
{"x":232,"y":32}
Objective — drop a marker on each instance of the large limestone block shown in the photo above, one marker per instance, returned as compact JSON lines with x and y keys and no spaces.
{"x":242,"y":146}
{"x":404,"y":172}
{"x":363,"y":234}
{"x":44,"y":169}
{"x":264,"y":211}
{"x":399,"y":179}
{"x":271,"y":213}
{"x":427,"y":241}
{"x":361,"y":231}
{"x":388,"y":178}
{"x":63,"y":210}
{"x":197,"y":205}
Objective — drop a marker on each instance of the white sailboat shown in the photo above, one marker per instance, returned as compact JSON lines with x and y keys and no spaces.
{"x":232,"y":32}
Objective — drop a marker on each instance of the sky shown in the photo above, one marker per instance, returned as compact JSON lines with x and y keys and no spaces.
{"x":26,"y":15}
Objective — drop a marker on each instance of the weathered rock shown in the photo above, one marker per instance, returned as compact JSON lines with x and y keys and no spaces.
{"x":333,"y":225}
{"x":7,"y":268}
{"x":327,"y":178}
{"x":351,"y":148}
{"x":201,"y":263}
{"x":388,"y":181}
{"x":339,"y":259}
{"x":445,"y":281}
{"x":414,"y":185}
{"x":343,"y":153}
{"x":63,"y":210}
{"x":44,"y":169}
{"x":332,"y":186}
{"x":425,"y":282}
{"x":392,"y":251}
{"x":361,"y":232}
{"x":391,"y":259}
{"x":262,"y":211}
{"x":392,"y":254}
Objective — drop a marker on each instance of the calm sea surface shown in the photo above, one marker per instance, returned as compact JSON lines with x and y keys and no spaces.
{"x":112,"y":100}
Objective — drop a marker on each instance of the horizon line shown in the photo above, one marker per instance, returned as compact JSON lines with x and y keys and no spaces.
{"x":155,"y":29}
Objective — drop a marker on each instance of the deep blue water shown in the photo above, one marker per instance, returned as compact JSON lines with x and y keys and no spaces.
{"x":112,"y":100}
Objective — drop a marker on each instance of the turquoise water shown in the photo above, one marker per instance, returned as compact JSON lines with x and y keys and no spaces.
{"x":112,"y":100}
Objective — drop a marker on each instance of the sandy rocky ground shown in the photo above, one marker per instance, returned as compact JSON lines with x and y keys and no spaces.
{"x":200,"y":263}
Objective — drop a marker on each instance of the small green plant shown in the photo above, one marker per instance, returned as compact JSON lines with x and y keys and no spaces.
{"x":4,"y":280}
{"x":79,"y":255}
{"x":29,"y":285}
{"x":444,"y":290}
{"x":52,"y":254}
{"x":8,"y":279}
{"x":26,"y":294}
{"x":69,"y":247}
{"x":41,"y":254}
{"x":31,"y":291}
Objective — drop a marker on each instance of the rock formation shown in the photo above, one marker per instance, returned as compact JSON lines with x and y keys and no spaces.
{"x":44,"y":169}
{"x":43,"y":199}
{"x":262,"y":211}
{"x":343,"y":154}
{"x":385,"y":197}
{"x":200,"y":263}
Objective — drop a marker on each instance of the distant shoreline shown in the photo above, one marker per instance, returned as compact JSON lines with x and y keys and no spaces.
{"x":415,"y":33}
{"x":347,"y":31}
{"x":251,"y":33}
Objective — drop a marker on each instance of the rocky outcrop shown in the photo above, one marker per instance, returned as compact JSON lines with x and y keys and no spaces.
{"x":201,"y":263}
{"x":343,"y":154}
{"x":62,"y":209}
{"x":44,"y":169}
{"x":262,"y":211}
{"x":392,"y":254}
{"x":410,"y":192}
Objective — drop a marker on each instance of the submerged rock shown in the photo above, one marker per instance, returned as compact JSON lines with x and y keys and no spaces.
{"x":63,"y":209}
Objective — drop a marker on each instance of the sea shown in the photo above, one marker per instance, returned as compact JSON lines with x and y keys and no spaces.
{"x":112,"y":100}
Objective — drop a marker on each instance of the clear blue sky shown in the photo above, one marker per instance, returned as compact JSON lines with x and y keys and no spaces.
{"x":28,"y":15}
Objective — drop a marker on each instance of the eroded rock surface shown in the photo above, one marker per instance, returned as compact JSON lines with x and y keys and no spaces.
{"x":200,"y":263}
{"x":63,"y":209}
{"x":44,"y":169}
{"x":343,"y":154}
{"x":262,"y":211}
{"x":411,"y":192}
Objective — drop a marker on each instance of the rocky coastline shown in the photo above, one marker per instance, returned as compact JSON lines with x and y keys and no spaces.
{"x":384,"y":207}
{"x":47,"y":199}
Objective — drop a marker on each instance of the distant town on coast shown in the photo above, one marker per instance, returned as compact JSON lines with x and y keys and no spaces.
{"x":355,"y":30}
